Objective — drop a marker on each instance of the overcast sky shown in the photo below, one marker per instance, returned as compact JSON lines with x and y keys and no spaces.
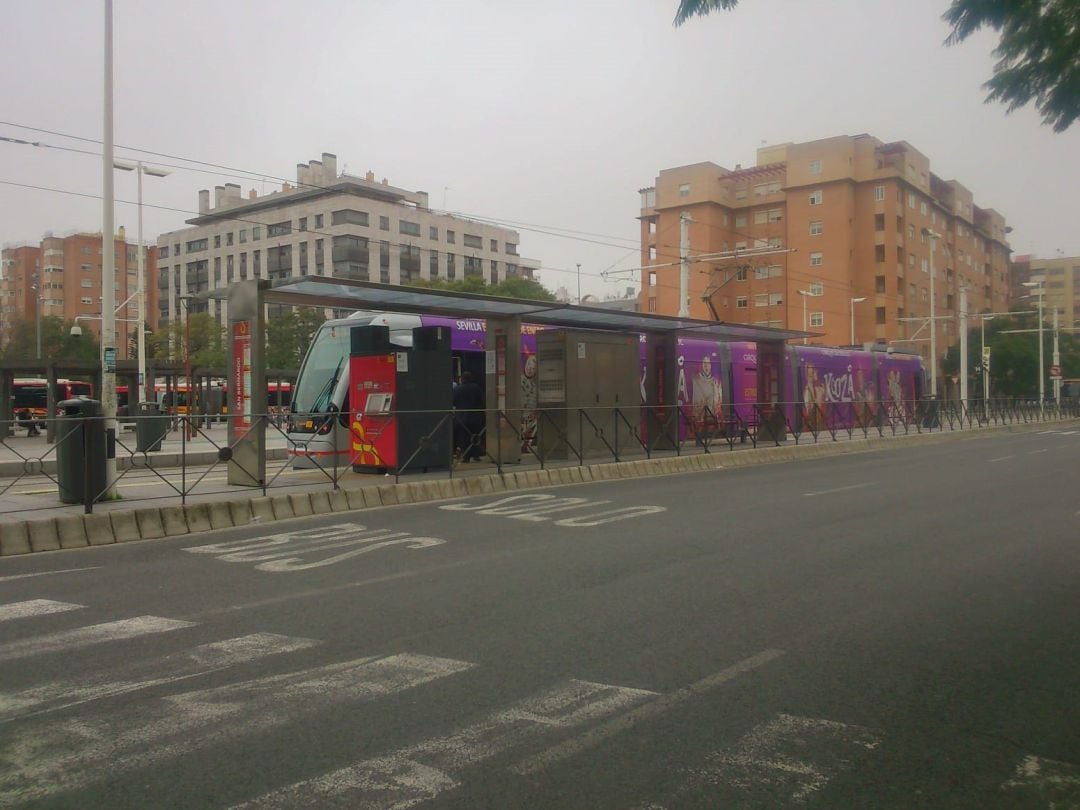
{"x":552,"y":114}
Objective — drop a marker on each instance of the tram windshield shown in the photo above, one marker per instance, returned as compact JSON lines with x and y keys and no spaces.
{"x":323,"y":366}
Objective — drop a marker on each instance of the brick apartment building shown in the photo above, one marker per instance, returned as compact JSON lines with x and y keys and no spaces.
{"x":64,"y":274}
{"x":328,"y":224}
{"x":817,"y":225}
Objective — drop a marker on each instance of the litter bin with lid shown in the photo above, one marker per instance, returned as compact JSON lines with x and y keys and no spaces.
{"x":151,"y":427}
{"x":80,"y":451}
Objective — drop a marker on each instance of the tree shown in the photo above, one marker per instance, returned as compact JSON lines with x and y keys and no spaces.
{"x":57,"y":343}
{"x":288,"y":336}
{"x":1038,"y":53}
{"x":1014,"y":358}
{"x":207,"y":341}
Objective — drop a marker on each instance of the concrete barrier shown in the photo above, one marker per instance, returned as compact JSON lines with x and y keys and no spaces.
{"x":14,"y":538}
{"x":198,"y":517}
{"x":43,"y":535}
{"x":125,"y":527}
{"x":71,"y":531}
{"x":99,"y":531}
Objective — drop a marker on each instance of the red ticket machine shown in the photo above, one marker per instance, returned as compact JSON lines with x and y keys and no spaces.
{"x":372,"y":394}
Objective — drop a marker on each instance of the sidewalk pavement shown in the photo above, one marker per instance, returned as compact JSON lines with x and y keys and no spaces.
{"x":36,"y":521}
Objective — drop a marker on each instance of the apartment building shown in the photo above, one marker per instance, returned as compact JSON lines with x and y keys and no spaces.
{"x":328,"y":224}
{"x":815,"y":227}
{"x":63,"y":275}
{"x":1060,"y":277}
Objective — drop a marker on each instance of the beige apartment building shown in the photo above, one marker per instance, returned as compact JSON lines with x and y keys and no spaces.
{"x":328,"y":224}
{"x":62,"y":275}
{"x":1060,"y":277}
{"x":812,"y":228}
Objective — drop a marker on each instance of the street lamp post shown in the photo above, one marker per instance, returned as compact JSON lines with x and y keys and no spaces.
{"x":108,"y":264}
{"x":934,"y":236}
{"x":805,"y":294}
{"x":854,"y":301}
{"x":191,"y":429}
{"x":145,"y":386}
{"x":1038,"y":287}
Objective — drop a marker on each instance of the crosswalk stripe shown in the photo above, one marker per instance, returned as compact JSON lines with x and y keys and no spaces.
{"x":68,"y":754}
{"x":180,"y":666}
{"x":68,"y":640}
{"x":421,"y":772}
{"x":34,"y":607}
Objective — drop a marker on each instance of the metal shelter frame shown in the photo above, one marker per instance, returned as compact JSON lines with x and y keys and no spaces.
{"x":504,"y":318}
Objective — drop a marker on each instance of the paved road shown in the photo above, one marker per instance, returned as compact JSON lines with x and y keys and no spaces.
{"x":894,"y":629}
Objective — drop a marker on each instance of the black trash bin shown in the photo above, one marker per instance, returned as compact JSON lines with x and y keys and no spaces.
{"x":151,"y":427}
{"x":80,"y":451}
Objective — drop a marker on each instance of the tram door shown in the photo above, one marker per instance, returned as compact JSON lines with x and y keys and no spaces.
{"x":771,"y":391}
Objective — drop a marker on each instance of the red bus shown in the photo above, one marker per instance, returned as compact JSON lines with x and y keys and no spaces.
{"x":30,"y":394}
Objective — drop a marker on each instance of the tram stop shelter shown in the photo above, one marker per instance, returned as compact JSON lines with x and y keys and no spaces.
{"x":504,"y":317}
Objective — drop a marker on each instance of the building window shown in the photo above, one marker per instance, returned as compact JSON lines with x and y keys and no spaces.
{"x":349,"y":216}
{"x":384,"y":224}
{"x":776,"y":214}
{"x":740,"y":274}
{"x":684,"y":190}
{"x":511,"y":248}
{"x":816,"y":197}
{"x":879,"y":284}
{"x":652,"y":278}
{"x":243,"y":236}
{"x":494,"y":245}
{"x":879,"y":315}
{"x":163,"y":252}
{"x":256,"y":233}
{"x":217,"y":267}
{"x":879,"y":193}
{"x":741,"y":245}
{"x":228,"y":239}
{"x":243,"y":268}
{"x":761,"y":272}
{"x":451,"y":266}
{"x":740,"y":302}
{"x":776,"y":299}
{"x":740,"y":194}
{"x":86,"y":300}
{"x":196,"y":245}
{"x":925,"y":265}
{"x":652,"y":305}
{"x":817,"y":319}
{"x":817,"y":288}
{"x":451,"y":237}
{"x":815,"y":166}
{"x":816,"y":259}
{"x":910,"y":200}
{"x":761,"y":217}
{"x":922,"y":208}
{"x":879,"y":222}
{"x":318,"y":221}
{"x":471,"y":241}
{"x":277,"y":229}
{"x":408,"y":263}
{"x":433,"y":233}
{"x":740,"y":220}
{"x":87,"y":283}
{"x":761,"y":300}
{"x":816,"y":227}
{"x":776,"y":242}
{"x":879,"y":253}
{"x":217,"y":241}
{"x":409,"y":228}
{"x":433,"y":264}
{"x":302,"y":224}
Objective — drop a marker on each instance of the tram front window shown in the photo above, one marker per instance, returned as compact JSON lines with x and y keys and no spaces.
{"x":326,"y":361}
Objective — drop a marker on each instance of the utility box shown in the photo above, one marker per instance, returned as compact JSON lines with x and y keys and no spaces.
{"x":589,"y":393}
{"x":400,"y":397}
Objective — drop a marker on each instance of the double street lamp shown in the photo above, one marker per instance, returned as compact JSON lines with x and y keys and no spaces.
{"x":145,"y":386}
{"x":805,"y":294}
{"x":1039,"y":293}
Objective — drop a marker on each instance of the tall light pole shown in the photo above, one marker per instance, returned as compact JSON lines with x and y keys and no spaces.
{"x":684,"y":265}
{"x":108,"y":265}
{"x":36,"y":287}
{"x":1056,"y":360}
{"x":985,"y":366}
{"x":854,"y":301}
{"x":145,"y":387}
{"x":579,"y":284}
{"x":1038,"y":287}
{"x":934,"y":236}
{"x":805,"y":294}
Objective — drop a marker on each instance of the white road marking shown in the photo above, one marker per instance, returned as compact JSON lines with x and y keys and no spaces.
{"x":538,"y":507}
{"x":50,"y":573}
{"x":68,"y":640}
{"x":783,"y":761}
{"x":1034,"y":452}
{"x":34,"y":607}
{"x":999,"y":458}
{"x":1044,"y":782}
{"x":618,"y":725}
{"x":839,"y":489}
{"x":287,"y":551}
{"x":180,"y":666}
{"x":62,"y":755}
{"x":1068,"y":433}
{"x":421,"y":772}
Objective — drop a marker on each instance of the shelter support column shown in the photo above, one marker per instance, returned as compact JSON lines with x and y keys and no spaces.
{"x":50,"y":402}
{"x":247,"y":384}
{"x":505,"y":415}
{"x":659,"y":391}
{"x":7,"y":402}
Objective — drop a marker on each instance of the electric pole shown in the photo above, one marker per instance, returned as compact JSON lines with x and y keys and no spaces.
{"x":684,"y":265}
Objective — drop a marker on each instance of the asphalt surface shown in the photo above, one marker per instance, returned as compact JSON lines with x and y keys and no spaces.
{"x":890,"y":629}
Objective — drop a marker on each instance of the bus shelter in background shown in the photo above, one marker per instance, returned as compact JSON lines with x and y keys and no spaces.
{"x":504,"y":319}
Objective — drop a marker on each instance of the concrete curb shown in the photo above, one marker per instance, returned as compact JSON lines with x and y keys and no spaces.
{"x":120,"y":526}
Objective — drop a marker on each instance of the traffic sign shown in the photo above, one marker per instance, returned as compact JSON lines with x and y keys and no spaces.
{"x":986,"y":352}
{"x":1055,"y":372}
